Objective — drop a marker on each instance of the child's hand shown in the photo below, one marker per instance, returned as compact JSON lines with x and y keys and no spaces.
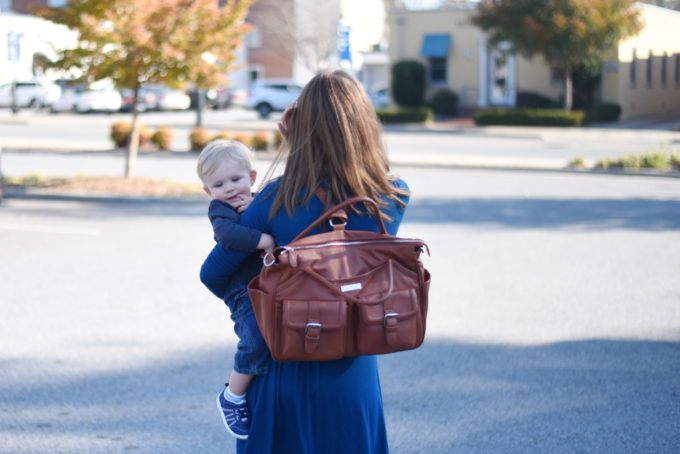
{"x":266,"y":242}
{"x":242,"y":203}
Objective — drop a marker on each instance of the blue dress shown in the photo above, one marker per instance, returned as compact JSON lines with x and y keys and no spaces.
{"x":307,"y":407}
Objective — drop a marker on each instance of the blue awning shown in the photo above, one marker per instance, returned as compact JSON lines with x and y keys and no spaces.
{"x":435,"y":46}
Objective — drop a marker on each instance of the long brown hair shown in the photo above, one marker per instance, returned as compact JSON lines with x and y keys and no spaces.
{"x":334,"y":137}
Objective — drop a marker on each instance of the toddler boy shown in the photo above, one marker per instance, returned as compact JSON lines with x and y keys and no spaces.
{"x":226,"y":172}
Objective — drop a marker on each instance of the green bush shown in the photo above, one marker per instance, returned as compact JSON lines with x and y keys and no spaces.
{"x":444,"y":102}
{"x":199,"y":138}
{"x":420,"y":115}
{"x":408,"y":83}
{"x":162,"y":138}
{"x":528,"y":117}
{"x":603,"y":112}
{"x":534,"y":100}
{"x":260,"y":141}
{"x":278,"y":139}
{"x":120,"y":133}
{"x":658,"y":160}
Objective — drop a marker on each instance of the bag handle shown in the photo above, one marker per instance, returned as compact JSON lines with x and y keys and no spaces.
{"x":332,"y":212}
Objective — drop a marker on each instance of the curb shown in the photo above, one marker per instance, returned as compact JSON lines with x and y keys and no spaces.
{"x":38,"y":194}
{"x":46,"y":194}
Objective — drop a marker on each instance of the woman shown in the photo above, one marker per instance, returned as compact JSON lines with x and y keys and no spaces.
{"x":333,"y":138}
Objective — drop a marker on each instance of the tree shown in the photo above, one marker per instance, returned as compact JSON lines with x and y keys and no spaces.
{"x":568,"y":34}
{"x":135,"y":42}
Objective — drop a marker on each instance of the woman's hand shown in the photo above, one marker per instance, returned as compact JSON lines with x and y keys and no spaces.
{"x":284,"y":123}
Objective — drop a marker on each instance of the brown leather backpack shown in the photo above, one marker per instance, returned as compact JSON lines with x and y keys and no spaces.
{"x":342,"y":293}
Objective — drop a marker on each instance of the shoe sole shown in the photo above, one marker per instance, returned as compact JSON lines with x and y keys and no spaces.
{"x":224,"y":420}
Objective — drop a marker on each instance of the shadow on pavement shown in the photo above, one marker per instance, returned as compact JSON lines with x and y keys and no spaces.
{"x":446,"y":397}
{"x":634,"y":214}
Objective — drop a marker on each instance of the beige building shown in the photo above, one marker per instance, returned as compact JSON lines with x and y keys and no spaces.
{"x":642,"y":74}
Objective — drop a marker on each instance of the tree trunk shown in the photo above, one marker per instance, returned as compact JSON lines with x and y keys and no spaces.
{"x":200,"y":104}
{"x":133,"y":144}
{"x":568,"y":90}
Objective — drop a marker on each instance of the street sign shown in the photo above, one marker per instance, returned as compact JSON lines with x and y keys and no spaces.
{"x":344,"y":52}
{"x":14,"y":46}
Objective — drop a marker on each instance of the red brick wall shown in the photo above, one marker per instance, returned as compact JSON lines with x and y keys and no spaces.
{"x":274,"y":20}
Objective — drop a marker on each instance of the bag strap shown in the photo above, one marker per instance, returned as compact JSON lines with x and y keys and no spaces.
{"x":329,"y":214}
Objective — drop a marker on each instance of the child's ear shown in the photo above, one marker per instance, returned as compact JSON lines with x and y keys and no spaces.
{"x":253,"y":177}
{"x":207,"y":191}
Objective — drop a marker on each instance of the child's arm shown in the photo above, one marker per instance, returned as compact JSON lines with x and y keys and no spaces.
{"x":232,"y":235}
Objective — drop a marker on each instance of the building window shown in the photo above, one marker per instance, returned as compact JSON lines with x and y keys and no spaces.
{"x":437,"y":71}
{"x":254,"y":39}
{"x":633,"y":70}
{"x":677,"y":70}
{"x":664,"y":69}
{"x":649,"y":72}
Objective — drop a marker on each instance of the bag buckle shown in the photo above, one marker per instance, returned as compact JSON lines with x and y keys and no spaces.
{"x":391,"y":318}
{"x":312,"y":325}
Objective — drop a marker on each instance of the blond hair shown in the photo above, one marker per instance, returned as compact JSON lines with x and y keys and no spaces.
{"x":219,"y":150}
{"x":334,"y":139}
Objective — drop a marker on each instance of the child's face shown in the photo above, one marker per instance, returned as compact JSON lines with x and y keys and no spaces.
{"x":229,"y":182}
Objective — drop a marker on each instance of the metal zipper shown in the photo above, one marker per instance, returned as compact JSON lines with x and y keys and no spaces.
{"x":346,"y":243}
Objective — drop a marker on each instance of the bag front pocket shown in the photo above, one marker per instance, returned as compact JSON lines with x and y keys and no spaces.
{"x":392,"y":325}
{"x":313,"y":330}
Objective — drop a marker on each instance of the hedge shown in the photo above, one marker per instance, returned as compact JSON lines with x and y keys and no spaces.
{"x":444,"y":102}
{"x":603,"y":112}
{"x":528,"y":117}
{"x":419,"y":115}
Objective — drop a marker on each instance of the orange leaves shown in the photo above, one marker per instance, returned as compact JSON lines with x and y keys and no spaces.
{"x":134,"y":41}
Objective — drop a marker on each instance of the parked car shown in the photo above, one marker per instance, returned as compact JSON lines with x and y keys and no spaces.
{"x":168,"y":99}
{"x":379,"y":98}
{"x":267,"y":96}
{"x":215,"y":98}
{"x":30,"y":94}
{"x":82,"y":98}
{"x":146,"y":100}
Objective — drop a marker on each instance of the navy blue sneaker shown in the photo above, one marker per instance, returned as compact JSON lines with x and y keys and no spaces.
{"x":236,"y":417}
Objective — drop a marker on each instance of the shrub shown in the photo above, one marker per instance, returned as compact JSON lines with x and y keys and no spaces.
{"x":260,"y":141}
{"x":528,"y":117}
{"x":278,"y":139}
{"x":145,"y":136}
{"x":224,"y":135}
{"x":162,"y":138}
{"x":405,"y":115}
{"x":242,"y":137}
{"x":120,"y":133}
{"x":444,"y":102}
{"x":603,"y":112}
{"x":408,"y":83}
{"x":675,"y":160}
{"x":577,"y":162}
{"x":659,"y":160}
{"x":199,"y":138}
{"x":534,"y":100}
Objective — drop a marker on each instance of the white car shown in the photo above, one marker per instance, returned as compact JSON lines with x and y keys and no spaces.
{"x":267,"y":96}
{"x":30,"y":94}
{"x":82,"y":99}
{"x":168,"y":99}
